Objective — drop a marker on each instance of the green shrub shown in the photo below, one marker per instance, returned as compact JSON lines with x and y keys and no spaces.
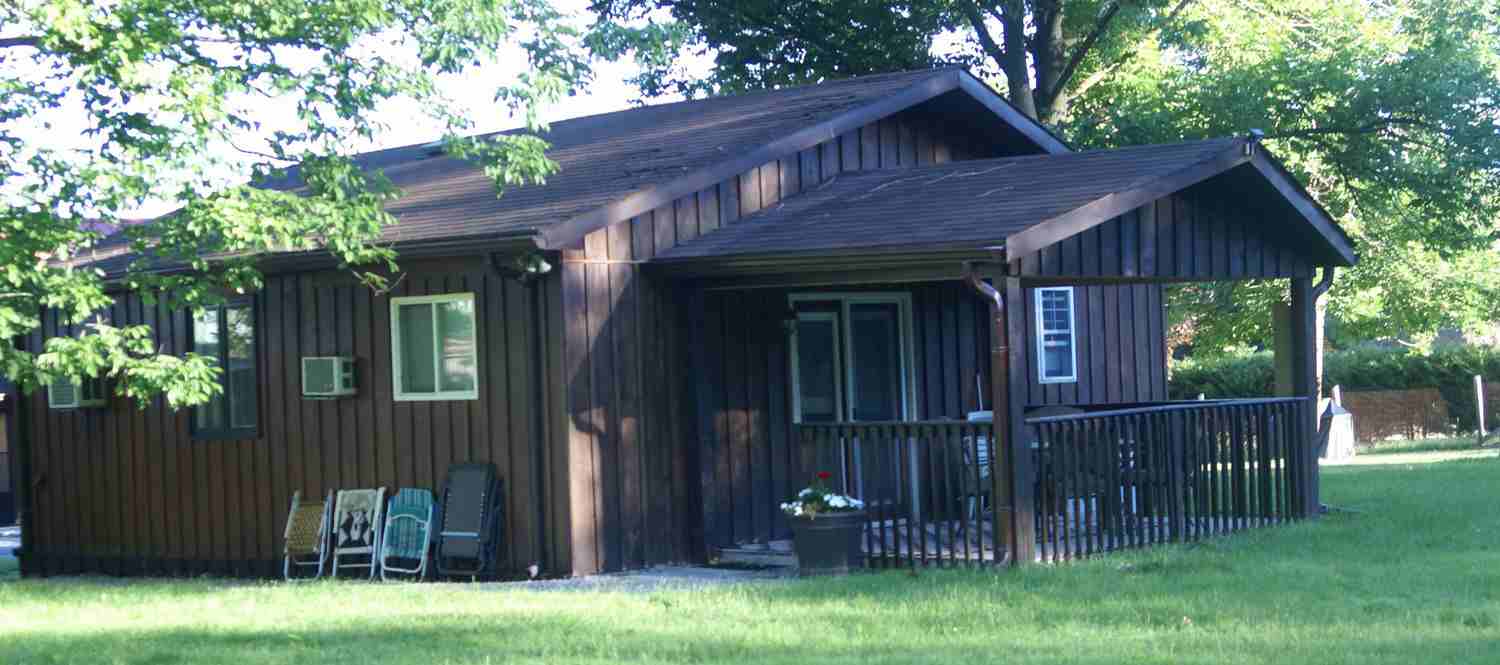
{"x":1449,"y":369}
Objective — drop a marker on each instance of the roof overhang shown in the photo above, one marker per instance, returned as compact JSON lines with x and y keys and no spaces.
{"x":1250,"y":153}
{"x":569,"y":233}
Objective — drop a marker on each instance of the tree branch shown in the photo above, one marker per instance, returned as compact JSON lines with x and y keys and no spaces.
{"x":1083,"y":49}
{"x":1011,"y":57}
{"x":1104,"y":72}
{"x":986,"y":40}
{"x":12,"y":42}
{"x":1372,"y":127}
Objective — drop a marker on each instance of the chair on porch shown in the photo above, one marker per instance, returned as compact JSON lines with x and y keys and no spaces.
{"x":306,"y":537}
{"x":356,"y":521}
{"x":407,"y":536}
{"x":974,"y":471}
{"x":471,"y":521}
{"x":1047,"y":491}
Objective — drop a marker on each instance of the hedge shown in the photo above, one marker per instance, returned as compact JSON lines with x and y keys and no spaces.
{"x":1449,"y":369}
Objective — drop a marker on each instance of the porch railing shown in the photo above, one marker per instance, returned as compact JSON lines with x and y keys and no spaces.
{"x":1100,"y":480}
{"x":926,"y":487}
{"x":1131,"y":478}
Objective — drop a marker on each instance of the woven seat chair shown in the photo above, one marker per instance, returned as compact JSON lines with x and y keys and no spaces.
{"x":356,"y":529}
{"x":306,"y":536}
{"x":471,"y":521}
{"x":408,"y":533}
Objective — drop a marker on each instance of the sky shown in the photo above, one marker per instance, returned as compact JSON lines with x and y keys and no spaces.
{"x":405,"y":122}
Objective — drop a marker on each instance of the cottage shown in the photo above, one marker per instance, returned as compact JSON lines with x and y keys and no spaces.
{"x":710,"y":301}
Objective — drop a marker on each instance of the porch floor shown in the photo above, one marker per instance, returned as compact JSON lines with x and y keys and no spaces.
{"x":945,"y":542}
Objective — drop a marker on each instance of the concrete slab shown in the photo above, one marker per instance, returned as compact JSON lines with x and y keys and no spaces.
{"x":1428,"y":457}
{"x":10,"y":540}
{"x":660,"y":578}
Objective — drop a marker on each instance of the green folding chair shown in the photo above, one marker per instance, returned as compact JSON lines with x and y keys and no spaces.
{"x":408,"y":533}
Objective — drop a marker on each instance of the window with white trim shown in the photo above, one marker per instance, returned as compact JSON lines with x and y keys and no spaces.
{"x":1055,"y":338}
{"x":434,"y":347}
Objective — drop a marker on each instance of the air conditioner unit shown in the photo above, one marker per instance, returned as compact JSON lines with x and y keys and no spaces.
{"x":69,"y":394}
{"x":327,"y":377}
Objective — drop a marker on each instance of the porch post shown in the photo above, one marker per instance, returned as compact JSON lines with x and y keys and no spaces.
{"x":1305,"y":384}
{"x":1008,"y":368}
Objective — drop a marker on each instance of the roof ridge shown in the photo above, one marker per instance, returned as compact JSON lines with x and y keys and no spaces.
{"x":918,"y":74}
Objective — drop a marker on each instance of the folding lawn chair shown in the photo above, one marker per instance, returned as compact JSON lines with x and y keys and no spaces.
{"x":356,"y":529}
{"x":408,"y":533}
{"x":306,"y":537}
{"x":470,"y":522}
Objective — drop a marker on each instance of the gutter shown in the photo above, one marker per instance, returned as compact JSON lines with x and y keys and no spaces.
{"x":1003,"y":434}
{"x":1323,"y":284}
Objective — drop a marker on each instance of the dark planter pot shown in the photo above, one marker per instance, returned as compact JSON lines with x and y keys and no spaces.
{"x":827,"y":544}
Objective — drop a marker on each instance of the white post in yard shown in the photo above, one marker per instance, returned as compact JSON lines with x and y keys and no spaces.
{"x":1479,"y":404}
{"x":1338,"y":395}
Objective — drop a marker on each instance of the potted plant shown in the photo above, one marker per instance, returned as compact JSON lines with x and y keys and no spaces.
{"x":826,"y":527}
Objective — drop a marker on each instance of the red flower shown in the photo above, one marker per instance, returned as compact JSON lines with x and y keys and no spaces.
{"x":824,"y":475}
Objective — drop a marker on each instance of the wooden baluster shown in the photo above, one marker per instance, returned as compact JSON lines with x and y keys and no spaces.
{"x":1095,"y":486}
{"x":1116,"y":458}
{"x":1172,"y":427}
{"x":974,"y":485}
{"x":950,"y":497}
{"x":907,"y":449}
{"x":1065,"y":456}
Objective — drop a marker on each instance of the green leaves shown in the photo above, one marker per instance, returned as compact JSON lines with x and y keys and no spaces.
{"x":244,"y":112}
{"x":1386,"y":110}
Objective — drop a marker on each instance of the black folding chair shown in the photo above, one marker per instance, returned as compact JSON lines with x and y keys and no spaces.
{"x":471,"y":521}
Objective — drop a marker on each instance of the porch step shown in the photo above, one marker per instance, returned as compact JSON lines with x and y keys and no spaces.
{"x":776,"y":554}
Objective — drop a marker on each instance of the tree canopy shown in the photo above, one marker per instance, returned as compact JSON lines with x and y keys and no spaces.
{"x":198,"y":101}
{"x":1387,"y":109}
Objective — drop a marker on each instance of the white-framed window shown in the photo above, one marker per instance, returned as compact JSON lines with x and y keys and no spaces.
{"x":1056,"y":356}
{"x":434,"y":347}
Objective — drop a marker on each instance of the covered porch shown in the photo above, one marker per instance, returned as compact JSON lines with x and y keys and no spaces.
{"x":977,"y":351}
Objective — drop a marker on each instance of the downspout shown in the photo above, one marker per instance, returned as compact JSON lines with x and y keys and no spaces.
{"x":20,"y":477}
{"x":1323,"y":284}
{"x":999,"y":401}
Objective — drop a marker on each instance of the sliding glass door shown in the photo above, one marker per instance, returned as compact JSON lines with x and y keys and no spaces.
{"x":851,"y":361}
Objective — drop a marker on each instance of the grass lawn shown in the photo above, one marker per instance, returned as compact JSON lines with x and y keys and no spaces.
{"x":1422,"y":445}
{"x":1410,"y":573}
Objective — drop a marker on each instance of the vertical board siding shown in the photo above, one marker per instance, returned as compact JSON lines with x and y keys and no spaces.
{"x":635,"y":438}
{"x":749,"y":462}
{"x":1189,"y":235}
{"x":1120,"y":349}
{"x":126,"y":490}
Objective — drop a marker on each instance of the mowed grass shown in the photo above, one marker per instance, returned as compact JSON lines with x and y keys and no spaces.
{"x":1410,"y":572}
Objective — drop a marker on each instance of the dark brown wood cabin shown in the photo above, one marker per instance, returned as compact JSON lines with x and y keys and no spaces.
{"x":705,"y":264}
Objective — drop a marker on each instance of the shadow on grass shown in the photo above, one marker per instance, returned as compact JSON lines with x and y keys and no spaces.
{"x":551,"y":639}
{"x":1410,"y":577}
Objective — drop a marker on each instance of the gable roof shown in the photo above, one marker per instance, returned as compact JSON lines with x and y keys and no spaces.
{"x":1020,"y":203}
{"x":617,"y":165}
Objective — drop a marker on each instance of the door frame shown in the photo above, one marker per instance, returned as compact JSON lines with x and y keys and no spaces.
{"x":907,"y":345}
{"x":902,"y":299}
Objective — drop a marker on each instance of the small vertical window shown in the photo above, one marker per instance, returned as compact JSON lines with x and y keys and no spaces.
{"x":226,"y":335}
{"x":433,"y":347}
{"x":1056,"y":361}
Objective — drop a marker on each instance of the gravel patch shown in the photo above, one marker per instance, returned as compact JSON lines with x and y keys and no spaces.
{"x":660,"y":578}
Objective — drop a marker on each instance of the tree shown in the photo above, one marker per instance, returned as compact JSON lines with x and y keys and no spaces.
{"x":171,"y":96}
{"x":1048,"y":51}
{"x":1386,"y":108}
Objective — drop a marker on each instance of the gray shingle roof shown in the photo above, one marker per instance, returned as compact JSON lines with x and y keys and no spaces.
{"x":605,"y":157}
{"x":957,"y":205}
